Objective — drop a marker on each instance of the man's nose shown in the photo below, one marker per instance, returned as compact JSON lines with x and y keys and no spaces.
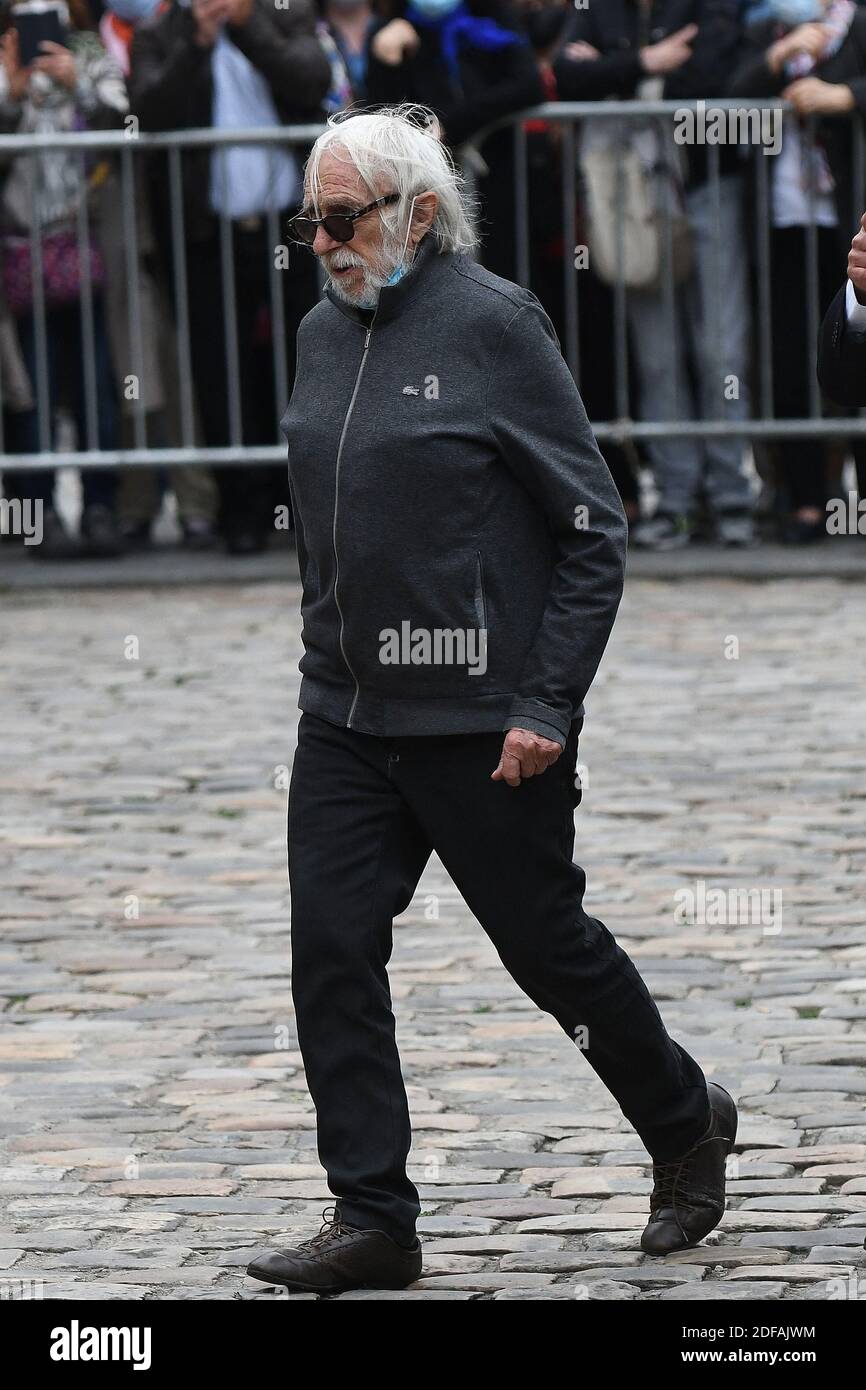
{"x":323,"y":242}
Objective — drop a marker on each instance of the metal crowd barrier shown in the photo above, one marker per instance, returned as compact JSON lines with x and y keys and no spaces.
{"x":126,"y":147}
{"x":762,"y":424}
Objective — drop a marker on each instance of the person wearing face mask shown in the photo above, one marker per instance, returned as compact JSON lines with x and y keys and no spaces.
{"x":471,"y":63}
{"x":813,"y":54}
{"x":233,"y":64}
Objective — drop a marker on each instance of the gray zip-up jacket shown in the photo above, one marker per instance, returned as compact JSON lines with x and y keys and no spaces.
{"x":460,"y":539}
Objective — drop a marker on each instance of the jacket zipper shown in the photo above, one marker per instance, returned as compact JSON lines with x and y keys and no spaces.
{"x":334,"y":531}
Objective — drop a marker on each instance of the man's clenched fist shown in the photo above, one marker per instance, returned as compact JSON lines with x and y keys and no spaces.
{"x":523,"y":755}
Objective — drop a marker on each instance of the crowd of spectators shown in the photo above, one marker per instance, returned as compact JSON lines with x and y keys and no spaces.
{"x":232,"y":64}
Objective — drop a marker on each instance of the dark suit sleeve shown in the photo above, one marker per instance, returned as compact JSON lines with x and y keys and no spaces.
{"x":593,"y":79}
{"x":289,"y":55}
{"x":613,"y":74}
{"x":518,"y":88}
{"x":716,"y":49}
{"x":753,"y":76}
{"x":841,"y":356}
{"x":387,"y":84}
{"x":168,"y":74}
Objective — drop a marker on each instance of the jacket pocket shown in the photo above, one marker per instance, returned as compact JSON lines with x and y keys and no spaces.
{"x":421,"y":631}
{"x":480,"y":596}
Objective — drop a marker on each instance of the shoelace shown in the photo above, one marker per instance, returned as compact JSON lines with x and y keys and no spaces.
{"x":332,"y":1227}
{"x":669,"y":1178}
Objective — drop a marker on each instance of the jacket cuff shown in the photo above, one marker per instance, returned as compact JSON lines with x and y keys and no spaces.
{"x":857,"y":86}
{"x":539,"y":719}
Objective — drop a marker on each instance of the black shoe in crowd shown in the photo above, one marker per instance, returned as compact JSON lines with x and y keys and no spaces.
{"x":245,"y":540}
{"x":340,"y":1258}
{"x":736,"y":529}
{"x":56,"y":543}
{"x":198,"y":533}
{"x":135,"y":535}
{"x":100,"y":533}
{"x":797,"y":532}
{"x":688,"y":1196}
{"x":661,"y":532}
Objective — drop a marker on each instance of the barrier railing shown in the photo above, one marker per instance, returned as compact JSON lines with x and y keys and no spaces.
{"x":123,"y":149}
{"x":762,"y":423}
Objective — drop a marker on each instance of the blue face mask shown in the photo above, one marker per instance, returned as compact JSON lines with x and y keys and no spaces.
{"x":436,"y":9}
{"x":396,"y":274}
{"x":794,"y":12}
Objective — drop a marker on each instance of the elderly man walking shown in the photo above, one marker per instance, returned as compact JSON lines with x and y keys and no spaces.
{"x":462,"y":548}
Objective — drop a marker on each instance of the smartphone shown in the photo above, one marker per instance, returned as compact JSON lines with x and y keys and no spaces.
{"x":36,"y":21}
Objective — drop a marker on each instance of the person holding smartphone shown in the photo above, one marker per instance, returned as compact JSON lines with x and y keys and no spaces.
{"x":53,"y":85}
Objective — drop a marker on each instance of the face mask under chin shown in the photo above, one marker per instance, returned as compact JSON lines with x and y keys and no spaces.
{"x":396,"y":275}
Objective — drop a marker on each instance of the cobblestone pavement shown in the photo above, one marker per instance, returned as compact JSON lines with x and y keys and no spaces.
{"x":157,"y":1128}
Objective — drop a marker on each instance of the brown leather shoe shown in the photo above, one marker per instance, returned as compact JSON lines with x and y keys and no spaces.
{"x":688,"y":1196}
{"x":339,"y":1258}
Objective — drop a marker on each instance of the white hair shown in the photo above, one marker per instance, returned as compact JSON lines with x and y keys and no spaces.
{"x":397,"y":149}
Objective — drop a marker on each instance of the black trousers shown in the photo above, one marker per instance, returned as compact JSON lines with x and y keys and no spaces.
{"x":364,"y":815}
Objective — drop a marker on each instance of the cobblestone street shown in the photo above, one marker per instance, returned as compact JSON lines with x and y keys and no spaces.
{"x":156,"y":1126}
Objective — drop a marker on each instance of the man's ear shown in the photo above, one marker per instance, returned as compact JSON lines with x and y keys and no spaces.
{"x":423,"y":216}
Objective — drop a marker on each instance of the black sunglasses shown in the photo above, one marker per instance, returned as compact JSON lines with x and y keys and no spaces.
{"x":340,"y":226}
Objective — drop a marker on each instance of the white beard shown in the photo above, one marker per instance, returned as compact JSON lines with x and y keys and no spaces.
{"x":375,"y":275}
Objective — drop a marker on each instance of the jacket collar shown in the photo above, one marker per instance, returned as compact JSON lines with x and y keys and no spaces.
{"x":424,"y":272}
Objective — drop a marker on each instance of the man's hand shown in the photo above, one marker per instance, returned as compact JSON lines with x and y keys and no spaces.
{"x":239,"y":12}
{"x":524,"y":754}
{"x":209,"y":16}
{"x":394,"y":41}
{"x":670,"y":53}
{"x":581,"y":52}
{"x":809,"y":96}
{"x":857,"y":262}
{"x":806,"y":38}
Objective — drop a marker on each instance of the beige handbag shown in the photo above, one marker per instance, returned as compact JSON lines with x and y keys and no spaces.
{"x":633,"y":184}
